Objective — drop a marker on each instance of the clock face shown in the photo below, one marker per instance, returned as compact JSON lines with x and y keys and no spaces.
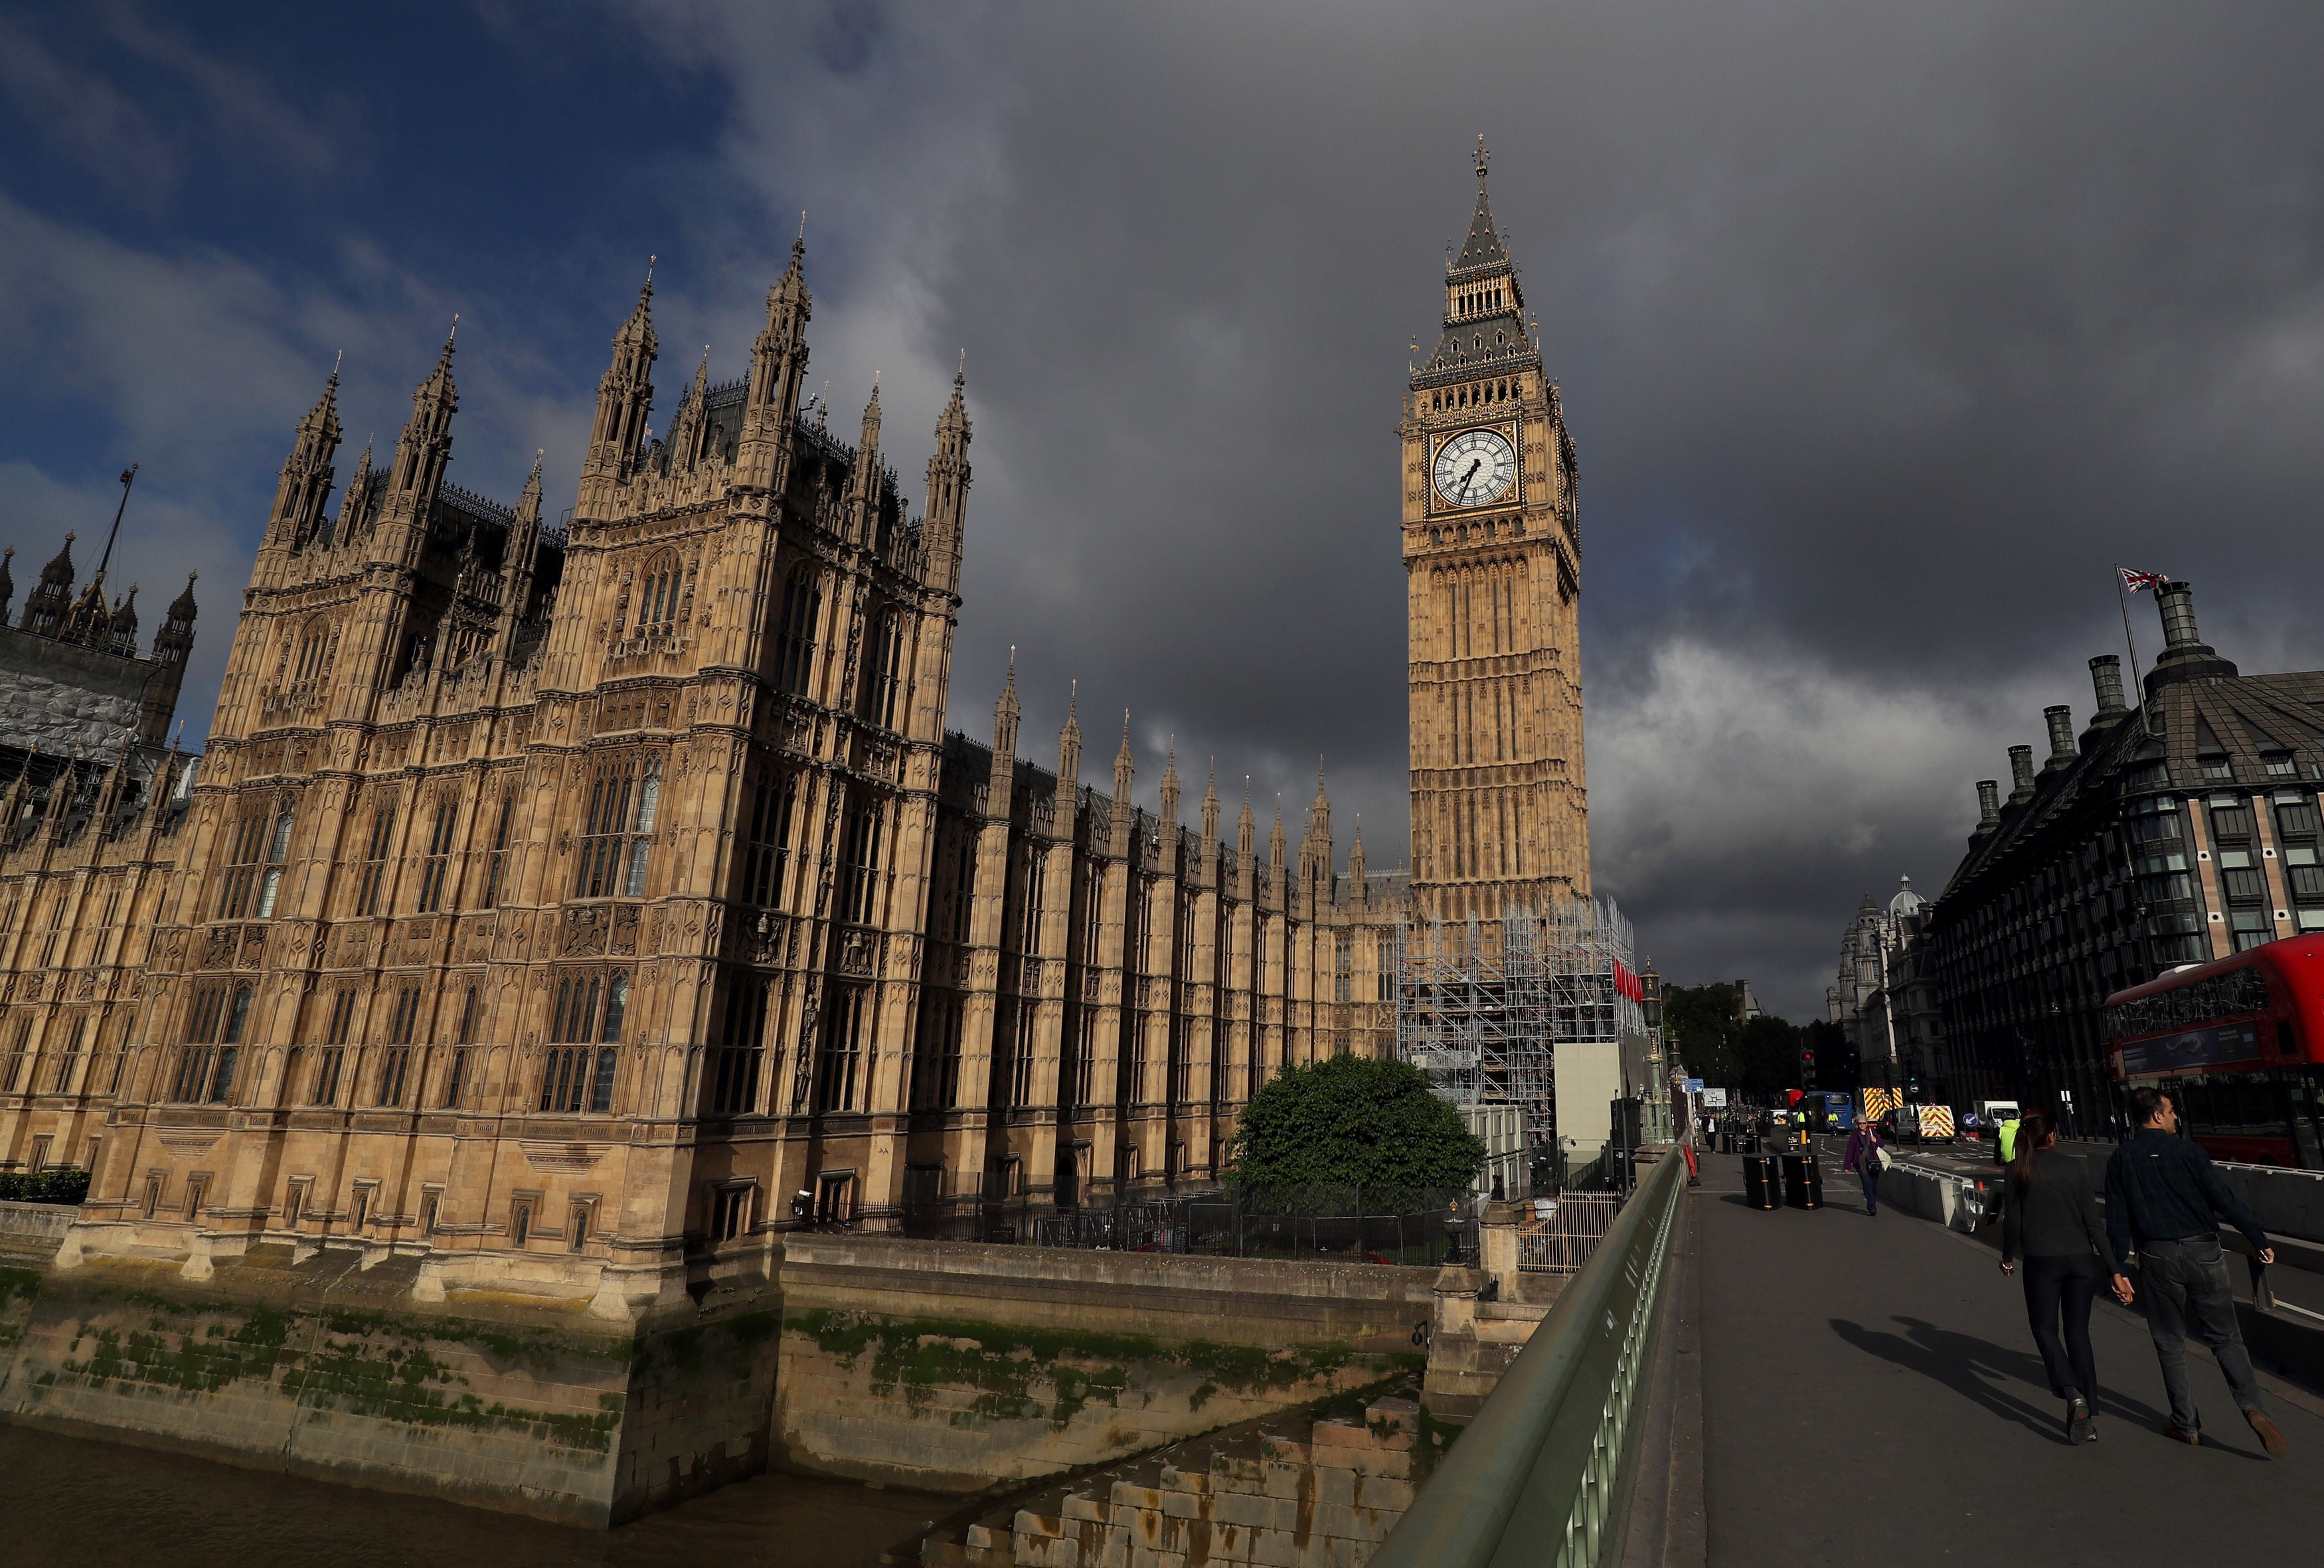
{"x":1475,"y":467}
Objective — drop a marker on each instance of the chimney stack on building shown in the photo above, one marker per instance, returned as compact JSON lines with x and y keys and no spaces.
{"x":2185,"y":655}
{"x":2176,"y":601}
{"x":2060,"y":720}
{"x":1988,"y":802}
{"x":2106,"y":675}
{"x":2021,"y":773}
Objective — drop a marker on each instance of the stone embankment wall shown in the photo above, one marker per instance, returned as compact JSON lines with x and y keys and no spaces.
{"x":941,"y":1366}
{"x":957,"y":1366}
{"x":320,"y":1367}
{"x":1324,"y":1503}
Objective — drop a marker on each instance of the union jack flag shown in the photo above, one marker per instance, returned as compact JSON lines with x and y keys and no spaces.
{"x":2134,"y":581}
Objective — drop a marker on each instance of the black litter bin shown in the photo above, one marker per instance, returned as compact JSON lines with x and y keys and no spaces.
{"x":1802,"y":1182}
{"x":1760,"y":1189}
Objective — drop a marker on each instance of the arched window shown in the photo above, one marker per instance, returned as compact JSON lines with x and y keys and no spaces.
{"x":254,"y":869}
{"x":859,"y":863}
{"x":887,"y":664}
{"x":215,"y":1027}
{"x":658,"y":595}
{"x":315,"y":644}
{"x":435,"y":872}
{"x":734,"y":1075}
{"x":623,"y":796}
{"x":278,"y":850}
{"x":372,"y":882}
{"x":766,"y":851}
{"x":795,"y":638}
{"x":578,"y":1072}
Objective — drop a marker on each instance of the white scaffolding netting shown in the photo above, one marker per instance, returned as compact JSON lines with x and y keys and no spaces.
{"x":1482,"y":1006}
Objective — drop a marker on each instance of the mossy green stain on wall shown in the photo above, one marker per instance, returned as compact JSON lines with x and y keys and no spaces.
{"x":379,"y":1365}
{"x":1004,"y":1364}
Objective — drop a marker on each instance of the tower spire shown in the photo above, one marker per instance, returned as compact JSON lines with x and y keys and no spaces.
{"x":1170,"y":785}
{"x":306,"y":475}
{"x":947,"y":495}
{"x":624,"y":400}
{"x":778,"y":365}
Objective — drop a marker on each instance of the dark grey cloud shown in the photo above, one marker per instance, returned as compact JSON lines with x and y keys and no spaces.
{"x":1882,"y":332}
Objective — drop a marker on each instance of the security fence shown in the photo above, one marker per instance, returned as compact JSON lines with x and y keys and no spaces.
{"x":1417,"y":1226}
{"x":1565,"y":1230}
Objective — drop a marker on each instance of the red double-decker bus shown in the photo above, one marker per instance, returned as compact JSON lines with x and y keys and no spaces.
{"x":2239,"y":1042}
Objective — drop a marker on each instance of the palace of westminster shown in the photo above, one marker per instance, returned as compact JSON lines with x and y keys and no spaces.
{"x":568,"y":905}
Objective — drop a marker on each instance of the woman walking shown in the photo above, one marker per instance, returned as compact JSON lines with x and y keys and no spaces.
{"x":1867,"y":1157}
{"x":2050,"y":1218}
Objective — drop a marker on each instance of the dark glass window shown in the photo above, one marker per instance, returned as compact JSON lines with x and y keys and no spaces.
{"x":586,"y":1018}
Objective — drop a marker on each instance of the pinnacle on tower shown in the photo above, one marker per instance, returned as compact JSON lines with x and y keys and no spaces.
{"x":1484,"y":246}
{"x":624,"y":396}
{"x":1069,"y":743}
{"x":305,"y":473}
{"x":777,"y":366}
{"x":426,"y":444}
{"x":1005,"y":714}
{"x":947,"y":494}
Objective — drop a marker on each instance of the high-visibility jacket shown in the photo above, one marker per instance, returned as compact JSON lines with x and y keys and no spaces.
{"x":2009,"y":1140}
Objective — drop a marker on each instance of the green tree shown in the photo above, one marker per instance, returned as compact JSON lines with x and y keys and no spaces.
{"x":1352,"y":1122}
{"x":1770,"y":1052}
{"x":1699,"y":1023}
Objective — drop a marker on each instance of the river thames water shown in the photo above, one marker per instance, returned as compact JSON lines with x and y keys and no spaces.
{"x":69,"y":1502}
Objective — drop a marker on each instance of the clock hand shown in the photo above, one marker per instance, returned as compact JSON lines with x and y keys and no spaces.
{"x":1466,"y":479}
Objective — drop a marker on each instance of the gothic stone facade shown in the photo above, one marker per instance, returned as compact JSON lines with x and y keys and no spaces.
{"x":89,"y":830}
{"x":577,"y":908}
{"x":1492,"y":552}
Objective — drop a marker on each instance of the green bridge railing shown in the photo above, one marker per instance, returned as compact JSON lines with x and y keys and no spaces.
{"x":1543,"y":1474}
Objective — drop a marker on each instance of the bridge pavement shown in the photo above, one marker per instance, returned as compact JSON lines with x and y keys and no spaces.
{"x":1871,"y":1396}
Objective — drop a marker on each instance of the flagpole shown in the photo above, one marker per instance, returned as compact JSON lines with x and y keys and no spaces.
{"x":2138,"y":681}
{"x":128,"y":478}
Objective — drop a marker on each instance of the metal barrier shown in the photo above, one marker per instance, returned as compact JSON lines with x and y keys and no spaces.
{"x":1563,"y":1240}
{"x":1542,"y":1474}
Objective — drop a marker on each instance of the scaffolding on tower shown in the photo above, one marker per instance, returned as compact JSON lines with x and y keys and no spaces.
{"x":1482,"y":1006}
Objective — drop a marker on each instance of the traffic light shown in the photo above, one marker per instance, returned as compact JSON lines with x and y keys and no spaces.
{"x":1807,"y":1069}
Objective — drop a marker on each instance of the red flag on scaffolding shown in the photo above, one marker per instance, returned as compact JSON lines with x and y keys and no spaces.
{"x":1628,"y":983}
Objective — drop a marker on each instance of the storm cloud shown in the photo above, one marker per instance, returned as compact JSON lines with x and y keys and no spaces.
{"x":1882,"y":332}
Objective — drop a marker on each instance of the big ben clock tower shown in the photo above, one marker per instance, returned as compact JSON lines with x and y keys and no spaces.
{"x":1492,"y":555}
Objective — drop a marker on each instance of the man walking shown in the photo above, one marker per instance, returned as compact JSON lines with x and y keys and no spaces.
{"x":2162,"y":1191}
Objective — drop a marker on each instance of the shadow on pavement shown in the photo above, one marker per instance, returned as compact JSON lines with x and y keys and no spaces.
{"x":1964,"y":1363}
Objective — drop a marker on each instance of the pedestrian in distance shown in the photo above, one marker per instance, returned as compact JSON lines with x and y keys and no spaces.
{"x":2005,"y":1137}
{"x":2162,"y":1193}
{"x":2050,"y":1219}
{"x":1867,"y":1156}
